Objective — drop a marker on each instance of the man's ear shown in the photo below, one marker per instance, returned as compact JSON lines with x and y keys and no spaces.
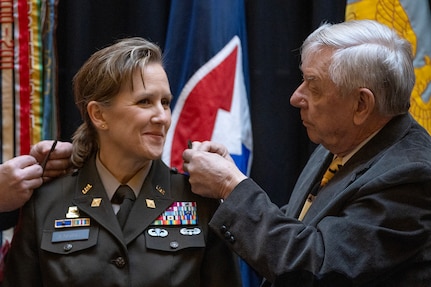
{"x":365,"y":105}
{"x":95,"y":112}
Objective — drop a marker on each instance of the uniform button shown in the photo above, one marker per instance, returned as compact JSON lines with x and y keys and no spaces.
{"x":223,"y":229}
{"x":174,"y":245}
{"x":67,"y":247}
{"x":231,"y":239}
{"x":119,"y":262}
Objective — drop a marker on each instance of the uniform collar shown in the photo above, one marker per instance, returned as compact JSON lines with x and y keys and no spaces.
{"x":110,"y":183}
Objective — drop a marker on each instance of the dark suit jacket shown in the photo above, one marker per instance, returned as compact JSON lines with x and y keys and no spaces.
{"x":106,"y":257}
{"x":369,"y":226}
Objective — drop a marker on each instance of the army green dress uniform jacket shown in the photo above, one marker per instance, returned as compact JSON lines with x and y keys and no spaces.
{"x":99,"y":254}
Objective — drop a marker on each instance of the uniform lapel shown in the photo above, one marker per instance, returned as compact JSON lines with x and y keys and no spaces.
{"x":154,"y":198}
{"x":91,"y":198}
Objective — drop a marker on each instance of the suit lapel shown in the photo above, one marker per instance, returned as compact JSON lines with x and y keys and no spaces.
{"x":348,"y":178}
{"x":340,"y":186}
{"x":308,"y":178}
{"x":154,"y":198}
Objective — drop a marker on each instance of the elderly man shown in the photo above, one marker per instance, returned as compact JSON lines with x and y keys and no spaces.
{"x":368,"y":222}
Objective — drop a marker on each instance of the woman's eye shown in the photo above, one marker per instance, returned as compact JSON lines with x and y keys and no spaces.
{"x":144,"y":102}
{"x":166,"y":102}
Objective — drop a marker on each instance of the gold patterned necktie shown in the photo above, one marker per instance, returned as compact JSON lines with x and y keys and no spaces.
{"x":125,"y":197}
{"x":333,"y":168}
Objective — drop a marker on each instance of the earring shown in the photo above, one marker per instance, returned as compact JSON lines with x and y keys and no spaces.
{"x":103,"y":126}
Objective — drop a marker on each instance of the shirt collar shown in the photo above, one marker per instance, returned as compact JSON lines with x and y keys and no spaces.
{"x":110,"y":183}
{"x":349,"y":155}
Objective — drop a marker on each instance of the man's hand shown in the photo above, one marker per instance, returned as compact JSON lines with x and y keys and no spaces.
{"x":58,"y":162}
{"x":18,"y":177}
{"x":212,"y":171}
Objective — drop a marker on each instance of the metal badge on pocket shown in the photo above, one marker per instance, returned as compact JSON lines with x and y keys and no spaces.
{"x":190,"y":231}
{"x":158,"y":232}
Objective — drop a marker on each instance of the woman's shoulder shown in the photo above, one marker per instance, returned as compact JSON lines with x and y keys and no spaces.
{"x":56,"y":189}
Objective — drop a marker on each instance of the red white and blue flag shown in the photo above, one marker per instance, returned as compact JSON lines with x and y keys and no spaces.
{"x":206,"y":61}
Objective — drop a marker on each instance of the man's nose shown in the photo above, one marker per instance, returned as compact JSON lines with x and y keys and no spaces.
{"x":298,"y":97}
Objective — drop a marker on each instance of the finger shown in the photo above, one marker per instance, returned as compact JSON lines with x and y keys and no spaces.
{"x":193,"y":145}
{"x":203,"y":146}
{"x":32,"y":184}
{"x":187,"y":155}
{"x":22,"y":161}
{"x":185,"y":167}
{"x":214,"y":147}
{"x":42,"y":147}
{"x":63,"y":150}
{"x":32,"y":172}
{"x":57,"y":164}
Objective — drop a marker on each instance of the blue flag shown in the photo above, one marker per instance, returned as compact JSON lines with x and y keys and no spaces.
{"x":206,"y":62}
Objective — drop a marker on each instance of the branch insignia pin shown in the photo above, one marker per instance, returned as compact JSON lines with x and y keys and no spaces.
{"x":86,"y":188}
{"x":160,"y":189}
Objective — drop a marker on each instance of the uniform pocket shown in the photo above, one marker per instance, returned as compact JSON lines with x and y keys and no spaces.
{"x":69,"y":241}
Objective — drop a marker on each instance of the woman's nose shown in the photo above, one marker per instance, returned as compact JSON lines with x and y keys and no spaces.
{"x":161,"y":114}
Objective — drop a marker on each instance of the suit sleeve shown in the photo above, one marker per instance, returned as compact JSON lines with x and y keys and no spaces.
{"x":220,"y":264}
{"x":380,"y":224}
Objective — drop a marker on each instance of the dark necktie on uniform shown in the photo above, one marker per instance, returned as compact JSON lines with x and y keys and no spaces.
{"x":125,"y":197}
{"x":330,"y":172}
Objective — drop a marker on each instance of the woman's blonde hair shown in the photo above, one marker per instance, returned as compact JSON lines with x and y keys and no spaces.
{"x":100,"y":79}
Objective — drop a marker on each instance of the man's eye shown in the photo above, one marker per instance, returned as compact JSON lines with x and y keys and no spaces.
{"x":308,"y":78}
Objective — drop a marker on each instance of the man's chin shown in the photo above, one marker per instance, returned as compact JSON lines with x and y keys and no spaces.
{"x":313,"y":138}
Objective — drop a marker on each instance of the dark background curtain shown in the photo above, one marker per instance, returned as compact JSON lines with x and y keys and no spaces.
{"x":275,"y":30}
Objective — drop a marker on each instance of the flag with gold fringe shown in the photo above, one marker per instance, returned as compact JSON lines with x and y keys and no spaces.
{"x":27,"y":74}
{"x":412,"y":20}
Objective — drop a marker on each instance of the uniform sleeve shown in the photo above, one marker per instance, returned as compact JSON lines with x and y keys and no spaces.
{"x":8,"y":219}
{"x":21,"y":266}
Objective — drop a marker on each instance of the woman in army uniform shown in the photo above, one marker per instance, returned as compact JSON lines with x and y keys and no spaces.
{"x":70,"y":235}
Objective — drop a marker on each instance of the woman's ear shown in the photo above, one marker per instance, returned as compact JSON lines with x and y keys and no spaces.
{"x":95,"y":112}
{"x":365,"y":105}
